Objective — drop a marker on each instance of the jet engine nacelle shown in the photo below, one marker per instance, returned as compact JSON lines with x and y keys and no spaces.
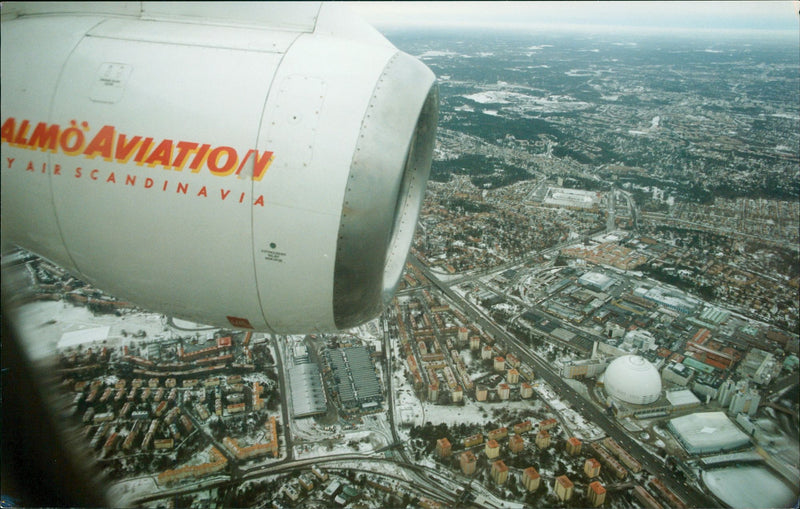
{"x":249,"y":165}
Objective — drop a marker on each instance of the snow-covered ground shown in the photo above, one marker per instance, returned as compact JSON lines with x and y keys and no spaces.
{"x":408,"y":408}
{"x":43,"y":324}
{"x":256,"y":376}
{"x":576,"y":425}
{"x":471,"y":412}
{"x":573,"y":422}
{"x":125,"y":492}
{"x":365,"y":442}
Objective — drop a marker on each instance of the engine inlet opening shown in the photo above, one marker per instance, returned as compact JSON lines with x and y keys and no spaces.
{"x":411,"y":192}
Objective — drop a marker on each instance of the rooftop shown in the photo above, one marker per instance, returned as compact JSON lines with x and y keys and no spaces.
{"x":499,"y":466}
{"x":532,"y":473}
{"x":682,"y":397}
{"x":597,"y":487}
{"x":308,"y":396}
{"x":707,"y":432}
{"x":564,"y":481}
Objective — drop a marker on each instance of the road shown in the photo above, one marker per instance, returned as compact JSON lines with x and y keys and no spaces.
{"x":387,"y":369}
{"x":690,"y":495}
{"x":283,"y":388}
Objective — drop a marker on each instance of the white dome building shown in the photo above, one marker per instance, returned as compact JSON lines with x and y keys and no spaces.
{"x":632,"y":379}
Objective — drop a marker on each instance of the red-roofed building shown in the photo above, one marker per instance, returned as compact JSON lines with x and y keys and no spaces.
{"x":498,"y":434}
{"x":499,"y":472}
{"x":591,"y":468}
{"x":468,"y":462}
{"x":516,"y":443}
{"x":547,"y":424}
{"x":503,"y":391}
{"x":443,"y":447}
{"x":573,"y":446}
{"x":596,"y":494}
{"x":543,"y":439}
{"x":522,"y":427}
{"x":530,"y":479}
{"x":563,"y":487}
{"x":492,"y":449}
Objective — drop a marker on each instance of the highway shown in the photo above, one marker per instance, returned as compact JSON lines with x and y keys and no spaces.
{"x":690,"y":495}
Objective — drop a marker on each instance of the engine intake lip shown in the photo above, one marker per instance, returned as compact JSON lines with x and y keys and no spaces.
{"x":385,"y":188}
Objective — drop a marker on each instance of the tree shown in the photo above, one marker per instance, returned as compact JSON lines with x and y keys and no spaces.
{"x":545,"y":457}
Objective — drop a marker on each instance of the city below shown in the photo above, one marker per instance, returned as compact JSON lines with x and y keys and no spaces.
{"x":599,"y":309}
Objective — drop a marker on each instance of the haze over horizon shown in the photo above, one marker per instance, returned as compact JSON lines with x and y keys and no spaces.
{"x":779,"y":17}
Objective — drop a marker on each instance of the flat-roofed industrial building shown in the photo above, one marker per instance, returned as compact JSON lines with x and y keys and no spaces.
{"x":354,"y":378}
{"x":308,"y":396}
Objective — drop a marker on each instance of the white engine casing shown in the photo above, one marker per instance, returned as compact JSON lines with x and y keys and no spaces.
{"x":252,"y":165}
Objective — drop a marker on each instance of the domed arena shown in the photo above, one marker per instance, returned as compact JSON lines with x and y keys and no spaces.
{"x":632,"y":379}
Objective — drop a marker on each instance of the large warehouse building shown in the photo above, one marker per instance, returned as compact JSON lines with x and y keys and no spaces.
{"x":354,"y":378}
{"x":308,"y":396}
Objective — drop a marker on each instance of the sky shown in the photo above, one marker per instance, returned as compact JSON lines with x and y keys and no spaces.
{"x":662,"y":15}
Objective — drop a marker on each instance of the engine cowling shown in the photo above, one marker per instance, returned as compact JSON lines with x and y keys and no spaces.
{"x":251,"y":165}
